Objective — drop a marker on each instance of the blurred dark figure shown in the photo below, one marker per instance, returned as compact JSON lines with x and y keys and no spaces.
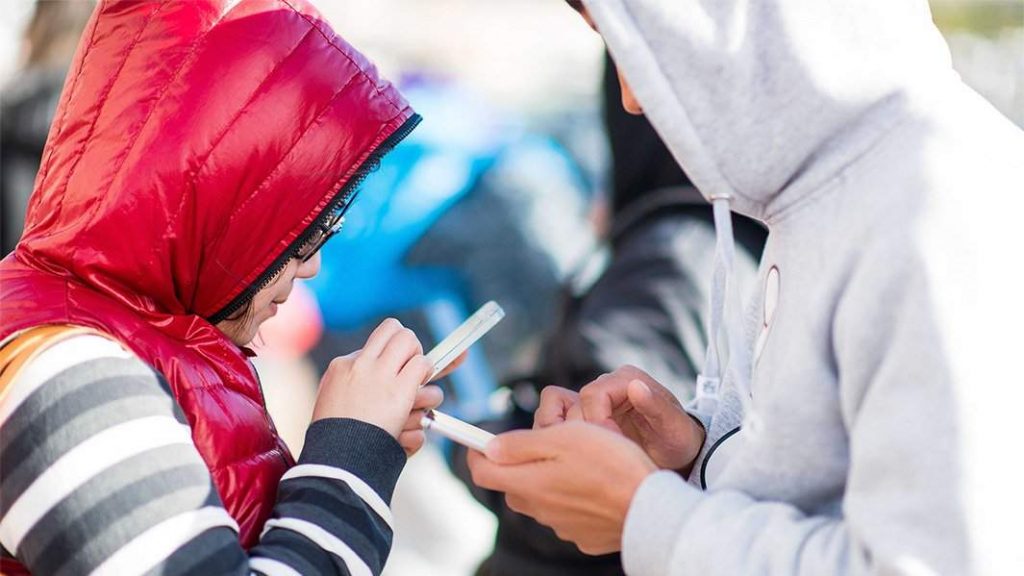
{"x":28,"y":103}
{"x":646,"y":308}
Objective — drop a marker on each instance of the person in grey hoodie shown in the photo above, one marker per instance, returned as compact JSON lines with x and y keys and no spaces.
{"x":858,"y":418}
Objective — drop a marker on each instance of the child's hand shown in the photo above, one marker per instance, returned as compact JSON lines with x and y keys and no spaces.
{"x":429,"y":397}
{"x":377,"y":384}
{"x":412,"y":436}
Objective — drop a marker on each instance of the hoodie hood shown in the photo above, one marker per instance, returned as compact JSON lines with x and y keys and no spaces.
{"x":762,"y":102}
{"x":203,"y":139}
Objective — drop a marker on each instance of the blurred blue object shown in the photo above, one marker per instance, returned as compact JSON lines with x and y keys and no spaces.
{"x":363,"y":276}
{"x":366,"y":272}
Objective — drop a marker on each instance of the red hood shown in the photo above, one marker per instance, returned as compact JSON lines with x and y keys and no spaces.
{"x":195,"y":143}
{"x":202,"y":141}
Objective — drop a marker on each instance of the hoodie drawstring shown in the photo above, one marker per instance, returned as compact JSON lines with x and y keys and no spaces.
{"x":725,"y":324}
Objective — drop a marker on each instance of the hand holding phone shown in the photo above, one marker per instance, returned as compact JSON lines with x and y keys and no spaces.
{"x":464,"y":336}
{"x":444,"y":354}
{"x":456,"y":430}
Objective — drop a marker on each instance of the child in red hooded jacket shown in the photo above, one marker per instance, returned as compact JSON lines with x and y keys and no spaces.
{"x":201,"y":154}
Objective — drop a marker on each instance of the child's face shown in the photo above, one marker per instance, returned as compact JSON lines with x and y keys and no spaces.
{"x":629,"y":101}
{"x":242,"y":330}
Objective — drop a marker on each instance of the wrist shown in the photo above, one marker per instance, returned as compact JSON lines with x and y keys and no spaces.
{"x":383,"y":422}
{"x":628,"y":488}
{"x":649,"y":531}
{"x":358,"y":447}
{"x":699,"y":434}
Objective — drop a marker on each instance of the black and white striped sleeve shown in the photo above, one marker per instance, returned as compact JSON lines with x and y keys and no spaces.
{"x":99,"y":475}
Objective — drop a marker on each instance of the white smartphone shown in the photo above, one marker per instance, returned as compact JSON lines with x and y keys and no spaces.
{"x":464,"y":336}
{"x":456,"y":430}
{"x":445,"y":353}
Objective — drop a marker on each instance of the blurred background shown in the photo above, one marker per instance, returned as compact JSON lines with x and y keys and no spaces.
{"x":510,"y":94}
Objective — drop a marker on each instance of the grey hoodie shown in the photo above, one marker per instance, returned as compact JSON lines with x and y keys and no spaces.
{"x":868,"y":419}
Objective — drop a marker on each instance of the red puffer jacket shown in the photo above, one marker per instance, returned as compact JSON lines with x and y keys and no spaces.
{"x":196,"y":144}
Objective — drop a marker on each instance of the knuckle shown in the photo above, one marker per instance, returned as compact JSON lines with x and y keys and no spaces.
{"x":624,"y":372}
{"x":406,"y":339}
{"x":552,"y":393}
{"x":361,"y":360}
{"x":410,"y":336}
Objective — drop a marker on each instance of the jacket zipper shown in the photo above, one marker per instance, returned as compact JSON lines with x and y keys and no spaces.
{"x":345,"y":195}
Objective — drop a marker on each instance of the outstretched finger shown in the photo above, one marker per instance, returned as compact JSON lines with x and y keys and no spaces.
{"x":521,"y":446}
{"x":492,"y":475}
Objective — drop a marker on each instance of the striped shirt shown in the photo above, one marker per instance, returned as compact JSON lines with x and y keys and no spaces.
{"x":99,"y":475}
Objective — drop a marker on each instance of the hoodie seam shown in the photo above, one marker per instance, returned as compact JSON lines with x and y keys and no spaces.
{"x":260,"y":188}
{"x":192,"y":177}
{"x":185,"y":61}
{"x":102,"y":105}
{"x":234,"y":119}
{"x":73,"y":87}
{"x":330,"y":42}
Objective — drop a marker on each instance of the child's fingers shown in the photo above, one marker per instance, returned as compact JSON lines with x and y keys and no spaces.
{"x":416,"y":371}
{"x":402,"y":347}
{"x":379,"y":338}
{"x":428,"y":398}
{"x":411,"y":441}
